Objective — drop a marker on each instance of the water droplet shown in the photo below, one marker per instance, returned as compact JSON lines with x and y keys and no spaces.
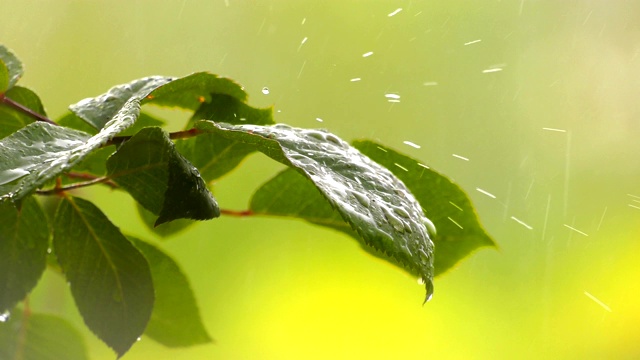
{"x":265,"y":90}
{"x":367,"y":54}
{"x":334,"y":139}
{"x":397,"y":224}
{"x":4,"y":317}
{"x":10,"y":175}
{"x":402,"y":212}
{"x":429,"y":287}
{"x":362,"y":198}
{"x":319,"y":120}
{"x":431,"y":228}
{"x":317,"y":135}
{"x":139,"y":338}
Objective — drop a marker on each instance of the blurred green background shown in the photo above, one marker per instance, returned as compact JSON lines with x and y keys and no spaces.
{"x":485,"y":80}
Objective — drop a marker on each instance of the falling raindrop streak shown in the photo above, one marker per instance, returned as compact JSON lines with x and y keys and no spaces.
{"x":472,"y":42}
{"x":394,"y":12}
{"x":412,"y":144}
{"x":460,"y":157}
{"x":521,"y":222}
{"x":367,"y":54}
{"x":597,"y":301}
{"x":576,"y":230}
{"x":486,"y":193}
{"x":355,"y":79}
{"x":553,"y":129}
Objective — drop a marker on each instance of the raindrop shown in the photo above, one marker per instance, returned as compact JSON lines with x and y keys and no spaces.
{"x":367,"y":54}
{"x":319,"y":120}
{"x":265,"y":90}
{"x":4,"y":317}
{"x":412,"y":144}
{"x":394,"y":12}
{"x":355,"y":79}
{"x":431,"y":228}
{"x":392,"y":96}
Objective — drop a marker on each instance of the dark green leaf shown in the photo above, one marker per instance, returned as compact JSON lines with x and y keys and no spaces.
{"x":13,"y":66}
{"x":375,"y":203}
{"x":11,"y":119}
{"x":164,"y":229}
{"x":24,"y":239}
{"x":192,"y":90}
{"x":72,"y":120}
{"x":41,"y":151}
{"x":436,"y":193}
{"x":40,"y":337}
{"x":109,"y":278}
{"x":98,"y":111}
{"x":175,"y":320}
{"x":160,"y":179}
{"x":215,"y":156}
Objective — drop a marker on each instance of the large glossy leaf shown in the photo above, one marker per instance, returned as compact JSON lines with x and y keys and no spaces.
{"x":11,"y":119}
{"x":13,"y":66}
{"x":40,"y":337}
{"x":191,"y":91}
{"x":378,"y":206}
{"x":164,"y":229}
{"x":175,"y":320}
{"x":25,"y":167}
{"x":444,"y":202}
{"x":160,"y":179}
{"x":215,"y":156}
{"x":24,"y":239}
{"x":99,"y":110}
{"x":109,"y":278}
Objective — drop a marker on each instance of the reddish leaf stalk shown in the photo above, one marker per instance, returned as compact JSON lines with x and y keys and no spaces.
{"x":7,"y":101}
{"x":236,"y":213}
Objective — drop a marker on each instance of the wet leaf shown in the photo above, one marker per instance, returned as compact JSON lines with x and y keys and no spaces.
{"x":165,"y":229}
{"x":40,"y":337}
{"x":160,"y":179}
{"x":109,"y":278}
{"x":191,"y":91}
{"x":436,"y":193}
{"x":99,"y":110}
{"x":13,"y":67}
{"x":175,"y":320}
{"x":24,"y":239}
{"x":377,"y":206}
{"x":25,"y":167}
{"x":11,"y":120}
{"x":215,"y":156}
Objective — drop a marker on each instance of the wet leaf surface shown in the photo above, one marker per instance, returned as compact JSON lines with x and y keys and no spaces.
{"x":13,"y":68}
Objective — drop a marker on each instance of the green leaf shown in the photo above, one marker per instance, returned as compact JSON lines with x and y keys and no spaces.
{"x":40,"y":337}
{"x":175,"y":320}
{"x":164,"y":229}
{"x":4,"y":77}
{"x":191,"y":91}
{"x":368,"y":197}
{"x":436,"y":193}
{"x":144,"y":120}
{"x":100,"y":110}
{"x":24,"y":239}
{"x":25,"y":167}
{"x":160,"y":179}
{"x":73,"y":121}
{"x":109,"y":278}
{"x":11,"y":119}
{"x":13,"y":66}
{"x":215,"y":156}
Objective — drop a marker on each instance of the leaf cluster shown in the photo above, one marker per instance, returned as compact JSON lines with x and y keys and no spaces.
{"x":125,"y":287}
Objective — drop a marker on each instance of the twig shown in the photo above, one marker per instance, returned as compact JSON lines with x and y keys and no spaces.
{"x":241,"y":213}
{"x":60,"y":189}
{"x":173,"y":136}
{"x":5,"y":100}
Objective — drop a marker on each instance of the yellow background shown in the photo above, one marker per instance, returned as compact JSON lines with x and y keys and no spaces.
{"x":279,"y":289}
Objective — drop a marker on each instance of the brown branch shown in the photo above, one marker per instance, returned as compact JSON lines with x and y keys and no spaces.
{"x":236,"y":213}
{"x":173,"y":136}
{"x":19,"y":107}
{"x":61,"y":189}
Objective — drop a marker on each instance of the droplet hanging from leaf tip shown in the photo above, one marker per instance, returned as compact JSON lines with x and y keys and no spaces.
{"x":429,"y":286}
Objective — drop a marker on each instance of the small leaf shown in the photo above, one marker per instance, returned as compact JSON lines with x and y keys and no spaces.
{"x":24,"y":239}
{"x":175,"y":320}
{"x":109,"y":278}
{"x":436,"y":193}
{"x":98,"y":111}
{"x":191,"y":91}
{"x":11,"y":120}
{"x":164,"y":229}
{"x":368,"y":197}
{"x":25,"y":167}
{"x":40,"y":337}
{"x":215,"y":156}
{"x":160,"y":179}
{"x":13,"y":66}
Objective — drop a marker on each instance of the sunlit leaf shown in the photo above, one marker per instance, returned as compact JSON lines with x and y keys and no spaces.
{"x":175,"y":320}
{"x":13,"y":66}
{"x":4,"y":77}
{"x":459,"y":231}
{"x":11,"y":120}
{"x":160,"y":179}
{"x":109,"y":278}
{"x":215,"y":156}
{"x":40,"y":337}
{"x":24,"y":239}
{"x":367,"y":196}
{"x":191,"y":91}
{"x":99,"y":110}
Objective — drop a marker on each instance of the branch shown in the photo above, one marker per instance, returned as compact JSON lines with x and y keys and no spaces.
{"x":60,"y":189}
{"x":19,"y":107}
{"x":236,"y":213}
{"x":173,"y":136}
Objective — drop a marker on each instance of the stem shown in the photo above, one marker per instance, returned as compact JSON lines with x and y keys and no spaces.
{"x":60,"y":189}
{"x":19,"y":107}
{"x":236,"y":213}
